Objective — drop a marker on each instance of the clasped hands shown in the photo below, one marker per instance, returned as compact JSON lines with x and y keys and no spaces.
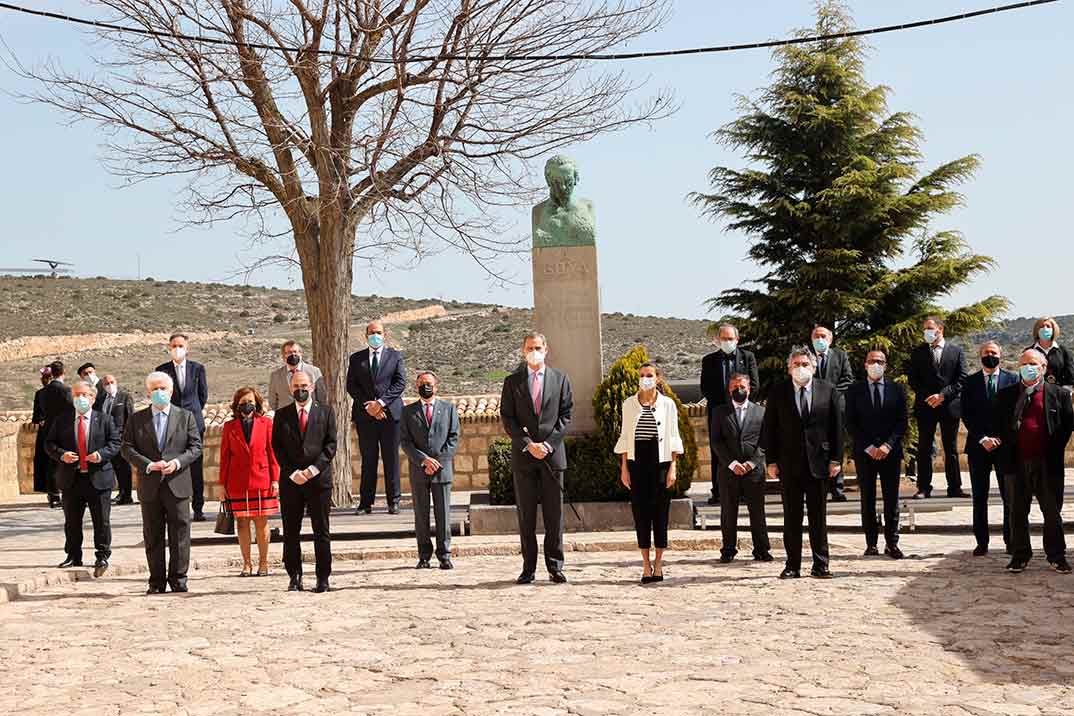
{"x":374,"y":409}
{"x":833,"y":470}
{"x":72,"y":457}
{"x":538,"y":450}
{"x":935,"y":401}
{"x":164,"y":467}
{"x":878,"y":453}
{"x":431,"y":465}
{"x":741,"y":468}
{"x":301,"y":477}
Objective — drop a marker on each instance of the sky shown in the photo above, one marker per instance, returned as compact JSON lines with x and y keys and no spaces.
{"x":1001,"y":86}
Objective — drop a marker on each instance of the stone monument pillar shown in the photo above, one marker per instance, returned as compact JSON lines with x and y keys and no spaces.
{"x":566,"y":296}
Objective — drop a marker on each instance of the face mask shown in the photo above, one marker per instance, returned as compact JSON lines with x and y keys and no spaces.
{"x":111,"y":389}
{"x":728,"y":347}
{"x":92,"y":379}
{"x":294,"y":359}
{"x":535,"y":357}
{"x":820,"y":344}
{"x":739,"y":395}
{"x":647,"y":383}
{"x":931,"y":334}
{"x":178,"y":353}
{"x":1030,"y":373}
{"x":425,"y":390}
{"x":82,"y":404}
{"x":301,"y":395}
{"x":990,"y":362}
{"x":1046,"y":333}
{"x":375,"y":340}
{"x":247,"y":408}
{"x":160,"y":397}
{"x":875,"y":370}
{"x":802,"y":374}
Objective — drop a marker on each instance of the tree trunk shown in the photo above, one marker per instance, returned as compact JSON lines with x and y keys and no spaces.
{"x":327,"y":281}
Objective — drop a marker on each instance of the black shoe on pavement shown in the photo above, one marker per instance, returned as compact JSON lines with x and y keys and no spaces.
{"x":726,"y":558}
{"x":296,"y":585}
{"x":70,"y":562}
{"x":423,"y":563}
{"x":763,"y":557}
{"x":198,"y":517}
{"x":445,"y":563}
{"x":894,"y":552}
{"x":1062,"y":566}
{"x":790,"y":574}
{"x":871,"y":551}
{"x":820,"y":572}
{"x":980,"y":550}
{"x":525,"y":578}
{"x":393,"y":509}
{"x":839,"y":497}
{"x":1017,"y":565}
{"x":322,"y":587}
{"x":100,"y":567}
{"x":557,"y":577}
{"x":958,"y":493}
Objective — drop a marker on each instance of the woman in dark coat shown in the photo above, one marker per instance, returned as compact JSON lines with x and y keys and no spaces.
{"x":42,"y":463}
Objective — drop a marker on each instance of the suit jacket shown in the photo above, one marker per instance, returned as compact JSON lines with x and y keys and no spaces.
{"x":388,"y":386}
{"x":195,"y":392}
{"x":733,"y":442}
{"x":279,"y":393}
{"x":102,"y":438}
{"x":295,"y":451}
{"x":803,"y":449}
{"x":978,"y":412}
{"x":121,"y":408}
{"x":438,"y":441}
{"x":926,"y":378}
{"x":1058,"y":412}
{"x":522,"y":424}
{"x":247,"y":466}
{"x":837,"y":369}
{"x":870,"y":427}
{"x":182,"y":442}
{"x":712,"y":385}
{"x":56,"y":402}
{"x":38,"y":416}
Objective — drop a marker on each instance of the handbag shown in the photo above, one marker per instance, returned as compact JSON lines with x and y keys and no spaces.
{"x":225,"y":520}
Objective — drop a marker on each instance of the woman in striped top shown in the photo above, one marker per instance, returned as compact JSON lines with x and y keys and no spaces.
{"x":649,"y":442}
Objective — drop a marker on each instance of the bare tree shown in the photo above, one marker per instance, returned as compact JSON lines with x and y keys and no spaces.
{"x":359,"y":127}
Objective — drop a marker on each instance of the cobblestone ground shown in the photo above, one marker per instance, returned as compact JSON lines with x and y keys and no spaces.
{"x":939,"y":633}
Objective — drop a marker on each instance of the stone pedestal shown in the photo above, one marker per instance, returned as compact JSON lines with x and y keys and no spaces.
{"x":566,"y":308}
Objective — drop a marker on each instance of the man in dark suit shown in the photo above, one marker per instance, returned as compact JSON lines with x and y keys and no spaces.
{"x":877,"y":418}
{"x":937,"y":373}
{"x":56,"y":402}
{"x":982,"y":440}
{"x":120,"y":406}
{"x":736,"y":436}
{"x":535,"y":409}
{"x":191,"y":392}
{"x":376,"y":379}
{"x":162,"y":442}
{"x":430,"y":436}
{"x":833,"y":366}
{"x":304,"y":442}
{"x":83,"y":443}
{"x":716,"y":371}
{"x":803,"y":444}
{"x":1035,"y":420}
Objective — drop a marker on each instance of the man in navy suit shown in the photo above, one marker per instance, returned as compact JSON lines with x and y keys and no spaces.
{"x":982,"y":440}
{"x":191,"y":393}
{"x":376,"y":379}
{"x":937,"y":373}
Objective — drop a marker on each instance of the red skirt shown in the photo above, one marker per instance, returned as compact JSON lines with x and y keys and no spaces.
{"x":254,"y":503}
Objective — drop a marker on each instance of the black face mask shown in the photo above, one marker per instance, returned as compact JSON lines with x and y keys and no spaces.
{"x":739,"y":395}
{"x":425,"y":390}
{"x":301,"y":395}
{"x":990,"y":362}
{"x":247,"y":408}
{"x":294,"y":359}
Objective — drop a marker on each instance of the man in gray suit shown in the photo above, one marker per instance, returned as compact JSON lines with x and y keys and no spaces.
{"x":161,"y":442}
{"x":279,"y":393}
{"x":535,"y":408}
{"x":429,"y":434}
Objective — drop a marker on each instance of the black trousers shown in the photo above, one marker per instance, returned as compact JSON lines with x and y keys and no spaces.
{"x":887,"y":471}
{"x":535,"y":482}
{"x":650,"y":500}
{"x":1032,"y":480}
{"x":982,"y":463}
{"x":122,"y":469}
{"x":171,"y":513}
{"x":76,"y":499}
{"x":734,"y":489}
{"x":438,"y":496}
{"x":294,"y":501}
{"x":378,"y":439}
{"x":927,"y":420}
{"x":814,"y":493}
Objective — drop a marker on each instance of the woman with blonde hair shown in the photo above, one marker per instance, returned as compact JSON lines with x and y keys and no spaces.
{"x":1060,"y":365}
{"x":249,"y":474}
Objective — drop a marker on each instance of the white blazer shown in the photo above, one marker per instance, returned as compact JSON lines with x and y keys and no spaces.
{"x":667,"y":427}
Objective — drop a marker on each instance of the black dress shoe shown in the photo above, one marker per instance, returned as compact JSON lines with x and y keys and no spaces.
{"x":726,"y":558}
{"x":894,"y":552}
{"x":647,"y":579}
{"x":123,"y":501}
{"x":295,"y":585}
{"x":763,"y":557}
{"x":198,"y":517}
{"x":322,"y":587}
{"x":525,"y":578}
{"x":1062,"y":566}
{"x":980,"y":550}
{"x":789,"y":574}
{"x":445,"y":563}
{"x":820,"y":572}
{"x":714,"y":500}
{"x":958,"y":493}
{"x":70,"y":562}
{"x":154,"y":590}
{"x":871,"y":551}
{"x":178,"y":588}
{"x":100,"y":567}
{"x":557,"y":577}
{"x":423,"y":563}
{"x":839,"y":497}
{"x":1017,"y":565}
{"x":363,"y":510}
{"x":393,"y":509}
{"x":919,"y":495}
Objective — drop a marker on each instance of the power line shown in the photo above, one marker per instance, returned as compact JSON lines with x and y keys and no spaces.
{"x":529,"y":57}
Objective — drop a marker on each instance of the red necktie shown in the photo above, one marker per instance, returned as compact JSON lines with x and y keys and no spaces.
{"x":83,"y":464}
{"x":536,"y":392}
{"x":429,"y":413}
{"x":302,"y":420}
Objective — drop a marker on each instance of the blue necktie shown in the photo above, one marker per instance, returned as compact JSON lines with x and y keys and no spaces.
{"x":161,"y":420}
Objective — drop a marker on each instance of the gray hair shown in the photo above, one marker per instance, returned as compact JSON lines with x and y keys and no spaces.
{"x":535,"y":335}
{"x":990,"y":343}
{"x":84,"y":383}
{"x":158,"y":375}
{"x":732,"y":326}
{"x":1041,"y":359}
{"x":798,"y":352}
{"x":301,"y":372}
{"x":436,"y":378}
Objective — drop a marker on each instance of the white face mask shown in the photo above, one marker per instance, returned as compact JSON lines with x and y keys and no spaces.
{"x":931,"y":334}
{"x":728,"y":347}
{"x":178,"y":353}
{"x":92,"y":379}
{"x":802,"y":374}
{"x":875,"y":371}
{"x":647,"y":382}
{"x":111,"y":389}
{"x":535,"y":357}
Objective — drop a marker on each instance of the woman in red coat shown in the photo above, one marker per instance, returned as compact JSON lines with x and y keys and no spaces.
{"x":249,"y":474}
